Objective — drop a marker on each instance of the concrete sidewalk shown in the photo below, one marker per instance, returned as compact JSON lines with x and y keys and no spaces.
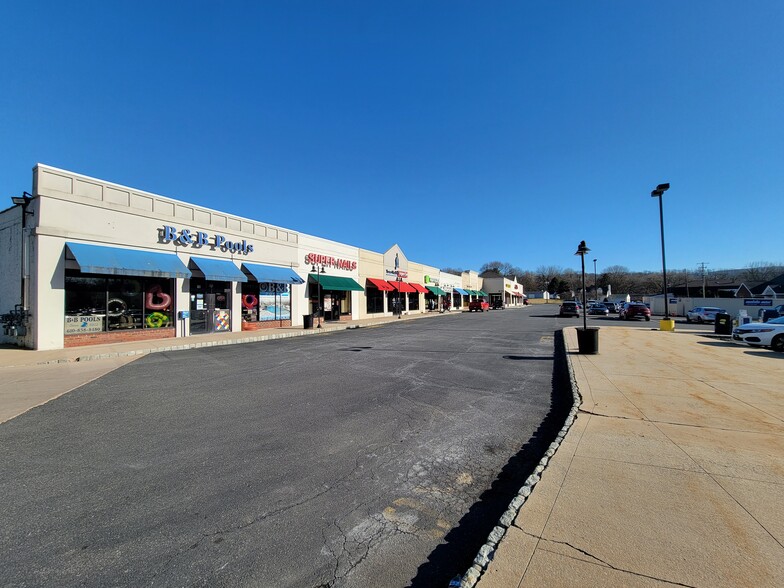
{"x":672,"y":473}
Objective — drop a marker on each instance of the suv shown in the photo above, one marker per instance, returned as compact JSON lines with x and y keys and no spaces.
{"x":569,"y":309}
{"x":631,"y":310}
{"x":478,"y":305}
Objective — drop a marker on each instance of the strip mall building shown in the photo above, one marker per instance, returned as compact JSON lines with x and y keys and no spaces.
{"x":86,"y":261}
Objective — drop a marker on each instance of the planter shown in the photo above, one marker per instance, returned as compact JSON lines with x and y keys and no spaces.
{"x":588,"y":340}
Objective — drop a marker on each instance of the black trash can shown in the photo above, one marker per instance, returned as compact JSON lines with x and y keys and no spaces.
{"x":588,"y":340}
{"x":723,"y":324}
{"x":307,"y":321}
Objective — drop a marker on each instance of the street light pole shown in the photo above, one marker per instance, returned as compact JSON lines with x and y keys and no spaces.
{"x":582,"y":249}
{"x":595,"y":283}
{"x":658,"y":193}
{"x":318,"y":271}
{"x":399,"y":305}
{"x":587,"y":340}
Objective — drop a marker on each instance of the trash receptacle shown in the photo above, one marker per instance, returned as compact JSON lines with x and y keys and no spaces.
{"x":723,"y":325}
{"x":588,"y":340}
{"x":307,"y":321}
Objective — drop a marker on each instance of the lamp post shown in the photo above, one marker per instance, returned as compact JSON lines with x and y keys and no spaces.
{"x":399,"y":305}
{"x":318,"y":270}
{"x":582,"y":249}
{"x":595,"y":282}
{"x":587,"y":339}
{"x":658,"y":193}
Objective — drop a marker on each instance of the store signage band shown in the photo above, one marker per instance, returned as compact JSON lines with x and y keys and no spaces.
{"x":197,"y":239}
{"x":329,"y":261}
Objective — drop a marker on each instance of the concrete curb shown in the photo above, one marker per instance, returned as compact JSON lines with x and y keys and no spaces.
{"x":487,"y":551}
{"x":238,"y":341}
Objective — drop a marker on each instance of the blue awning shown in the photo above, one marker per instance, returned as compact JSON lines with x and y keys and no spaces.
{"x":96,"y":259}
{"x":219,"y":269}
{"x":269,"y":273}
{"x":461,"y":291}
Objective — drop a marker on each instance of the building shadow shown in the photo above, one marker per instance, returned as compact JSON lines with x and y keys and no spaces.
{"x":456,"y":554}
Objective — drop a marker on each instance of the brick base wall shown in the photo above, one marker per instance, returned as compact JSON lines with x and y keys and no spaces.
{"x":265,"y":325}
{"x":118,"y":337}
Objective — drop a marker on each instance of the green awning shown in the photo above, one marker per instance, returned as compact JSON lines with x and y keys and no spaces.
{"x":473,"y":293}
{"x":482,"y":293}
{"x":335,"y":283}
{"x":436,"y":290}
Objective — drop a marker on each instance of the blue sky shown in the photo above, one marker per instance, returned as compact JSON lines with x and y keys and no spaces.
{"x":463,"y":131}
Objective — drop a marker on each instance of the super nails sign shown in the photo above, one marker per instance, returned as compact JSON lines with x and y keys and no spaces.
{"x":188,"y":237}
{"x":316,"y":259}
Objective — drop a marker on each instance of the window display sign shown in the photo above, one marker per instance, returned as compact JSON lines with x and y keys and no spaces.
{"x":274,"y":302}
{"x":222,"y":320}
{"x":81,"y":324}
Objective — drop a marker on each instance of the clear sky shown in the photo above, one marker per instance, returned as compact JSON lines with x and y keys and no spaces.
{"x":464,"y":131}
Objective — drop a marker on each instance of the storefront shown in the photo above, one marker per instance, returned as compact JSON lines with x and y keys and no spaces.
{"x":88,"y":262}
{"x":108,"y":290}
{"x":375,"y":291}
{"x":266,"y":297}
{"x":332,"y":289}
{"x":105,"y":263}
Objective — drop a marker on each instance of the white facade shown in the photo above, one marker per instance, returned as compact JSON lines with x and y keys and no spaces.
{"x":72,"y":216}
{"x":75,"y":208}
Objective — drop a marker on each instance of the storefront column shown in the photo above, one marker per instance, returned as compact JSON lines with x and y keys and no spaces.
{"x":236,"y":307}
{"x":47,"y":295}
{"x":182,"y":302}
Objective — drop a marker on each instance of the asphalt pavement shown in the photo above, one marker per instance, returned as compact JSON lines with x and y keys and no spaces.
{"x":372,"y":456}
{"x":670,"y":473}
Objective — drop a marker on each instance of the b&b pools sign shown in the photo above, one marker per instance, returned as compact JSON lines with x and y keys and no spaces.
{"x":189,"y":237}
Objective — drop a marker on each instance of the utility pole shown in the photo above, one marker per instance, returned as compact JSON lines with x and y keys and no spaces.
{"x":702,"y":265}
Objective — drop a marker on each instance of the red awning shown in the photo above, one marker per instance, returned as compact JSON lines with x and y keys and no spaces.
{"x":403,"y":286}
{"x":420,"y":288}
{"x":381,"y":284}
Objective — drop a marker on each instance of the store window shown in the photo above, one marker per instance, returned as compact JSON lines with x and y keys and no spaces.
{"x":95,"y":304}
{"x":265,"y":302}
{"x":413,"y":301}
{"x":375,"y":300}
{"x":395,"y":302}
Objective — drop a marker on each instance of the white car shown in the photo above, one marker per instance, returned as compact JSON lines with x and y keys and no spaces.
{"x":770,"y":334}
{"x":703,"y":314}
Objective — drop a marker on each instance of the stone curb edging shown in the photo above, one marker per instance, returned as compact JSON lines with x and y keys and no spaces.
{"x":487,"y":551}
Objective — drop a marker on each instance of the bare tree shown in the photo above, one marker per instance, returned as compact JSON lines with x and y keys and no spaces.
{"x":529,"y":281}
{"x":452,"y":270}
{"x":618,"y":277}
{"x":545,"y":275}
{"x":761,"y":271}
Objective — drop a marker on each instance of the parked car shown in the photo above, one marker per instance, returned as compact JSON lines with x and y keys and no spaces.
{"x":478,"y":306}
{"x":703,"y":314}
{"x":769,"y":311}
{"x":770,"y":334}
{"x":631,"y":310}
{"x":598,"y":308}
{"x":569,"y":308}
{"x":611,"y":306}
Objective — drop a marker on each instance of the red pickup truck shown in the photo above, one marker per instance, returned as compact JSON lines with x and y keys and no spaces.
{"x":478,"y":305}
